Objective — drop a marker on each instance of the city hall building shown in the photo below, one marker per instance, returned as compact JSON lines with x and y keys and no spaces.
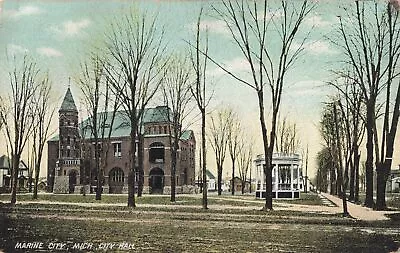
{"x":71,"y":153}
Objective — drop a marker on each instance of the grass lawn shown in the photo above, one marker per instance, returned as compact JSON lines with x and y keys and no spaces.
{"x":185,"y":227}
{"x":189,"y":231}
{"x":236,"y":200}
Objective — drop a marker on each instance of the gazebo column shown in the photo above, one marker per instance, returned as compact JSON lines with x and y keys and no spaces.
{"x":276,"y":180}
{"x":291,"y":179}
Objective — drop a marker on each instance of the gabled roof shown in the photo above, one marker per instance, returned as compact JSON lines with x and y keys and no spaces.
{"x":186,"y":135}
{"x":209,"y":174}
{"x":5,"y":163}
{"x":68,"y":103}
{"x":121,"y":125}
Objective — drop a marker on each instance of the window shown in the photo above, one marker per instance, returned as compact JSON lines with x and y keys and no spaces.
{"x":117,"y":149}
{"x":98,"y":148}
{"x":156,"y":152}
{"x":165,"y":130}
{"x":117,"y":175}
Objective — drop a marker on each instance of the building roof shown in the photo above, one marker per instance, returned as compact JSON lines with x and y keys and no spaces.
{"x":209,"y":174}
{"x":186,"y":135}
{"x":68,"y":103}
{"x":5,"y":163}
{"x":121,"y":125}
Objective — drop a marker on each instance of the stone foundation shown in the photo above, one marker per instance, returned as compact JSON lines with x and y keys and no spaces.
{"x":146,"y":190}
{"x":106,"y":189}
{"x":79,"y":189}
{"x":61,"y":184}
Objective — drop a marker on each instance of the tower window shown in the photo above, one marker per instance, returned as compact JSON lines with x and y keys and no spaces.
{"x":117,"y":149}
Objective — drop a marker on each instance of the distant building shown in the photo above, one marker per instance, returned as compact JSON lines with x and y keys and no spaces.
{"x":71,"y":159}
{"x":211,"y":181}
{"x":393,"y":182}
{"x":287,"y":180}
{"x":238,"y":185}
{"x":5,"y":174}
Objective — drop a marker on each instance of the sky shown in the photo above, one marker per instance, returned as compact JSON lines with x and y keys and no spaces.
{"x":59,"y":34}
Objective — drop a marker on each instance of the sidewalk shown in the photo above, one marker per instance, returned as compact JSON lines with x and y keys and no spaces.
{"x":357,"y":211}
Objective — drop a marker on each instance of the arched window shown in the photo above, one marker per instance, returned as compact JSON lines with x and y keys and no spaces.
{"x":117,"y":175}
{"x":156,"y":152}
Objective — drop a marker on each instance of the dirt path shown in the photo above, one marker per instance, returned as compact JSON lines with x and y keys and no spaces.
{"x":357,"y":211}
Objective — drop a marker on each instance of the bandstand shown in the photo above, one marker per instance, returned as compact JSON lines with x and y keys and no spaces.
{"x":286,"y":176}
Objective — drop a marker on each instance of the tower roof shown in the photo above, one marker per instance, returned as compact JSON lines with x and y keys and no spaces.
{"x":68,"y":104}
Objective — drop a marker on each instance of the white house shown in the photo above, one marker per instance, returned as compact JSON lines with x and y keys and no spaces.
{"x":5,"y":173}
{"x":287,"y":180}
{"x":211,"y":181}
{"x":393,"y":183}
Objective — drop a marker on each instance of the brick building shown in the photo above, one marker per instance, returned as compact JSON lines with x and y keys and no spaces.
{"x":71,"y":154}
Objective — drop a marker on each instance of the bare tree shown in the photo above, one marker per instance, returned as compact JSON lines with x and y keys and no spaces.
{"x":43,"y":115}
{"x":338,"y":147}
{"x":17,"y":112}
{"x":327,"y":156}
{"x":287,"y":139}
{"x":96,"y":93}
{"x":370,"y":41}
{"x":245,"y":161}
{"x":199,"y":92}
{"x":177,"y":96}
{"x":351,"y":109}
{"x":219,"y":139}
{"x":306,"y":172}
{"x":234,"y":144}
{"x":135,"y":68}
{"x":249,"y":23}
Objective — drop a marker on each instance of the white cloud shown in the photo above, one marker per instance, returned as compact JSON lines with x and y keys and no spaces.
{"x":316,"y":47}
{"x":235,"y":65}
{"x":27,"y":10}
{"x":72,"y":28}
{"x":317,"y":21}
{"x":215,"y":26}
{"x":313,"y":88}
{"x":320,"y":47}
{"x":13,"y":49}
{"x":49,"y":52}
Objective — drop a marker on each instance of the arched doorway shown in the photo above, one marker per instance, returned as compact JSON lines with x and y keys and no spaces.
{"x":72,"y":180}
{"x":116,"y":180}
{"x":156,"y":181}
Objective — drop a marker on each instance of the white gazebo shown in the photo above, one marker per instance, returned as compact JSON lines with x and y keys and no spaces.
{"x":287,"y":180}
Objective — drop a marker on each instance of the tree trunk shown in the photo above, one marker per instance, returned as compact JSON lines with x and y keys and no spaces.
{"x":357,"y":175}
{"x":14,"y":187}
{"x":219,"y":179}
{"x":141,"y":171}
{"x":98,"y":170}
{"x":30,"y":181}
{"x":369,"y":167}
{"x":35,"y":187}
{"x":203,"y":143}
{"x":381,"y":178}
{"x":131,"y":174}
{"x":268,"y":157}
{"x":233,"y":177}
{"x":341,"y":178}
{"x":352,"y":175}
{"x":173,"y":168}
